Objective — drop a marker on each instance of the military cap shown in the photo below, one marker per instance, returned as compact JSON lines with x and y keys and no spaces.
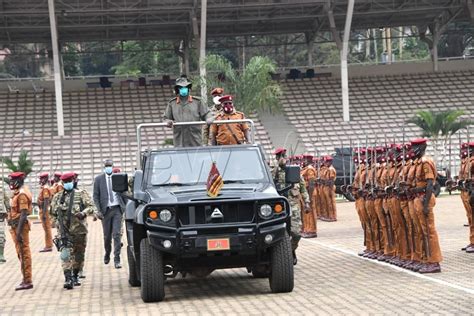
{"x":17,"y":175}
{"x":471,"y":144}
{"x":225,"y":98}
{"x":183,"y":82}
{"x":108,"y":162}
{"x":418,"y":141}
{"x":298,"y":157}
{"x":57,"y":174}
{"x":308,"y":156}
{"x":43,"y":175}
{"x":279,"y":151}
{"x":328,"y":158}
{"x":68,"y":176}
{"x":217,"y":91}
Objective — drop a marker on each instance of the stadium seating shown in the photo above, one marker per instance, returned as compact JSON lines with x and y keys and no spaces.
{"x":99,"y":123}
{"x":379,"y":106}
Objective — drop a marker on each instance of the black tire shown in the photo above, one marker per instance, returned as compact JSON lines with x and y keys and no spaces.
{"x":133,"y":279}
{"x":151,"y":273}
{"x":349,"y":197}
{"x":437,"y":188}
{"x":261,"y":271}
{"x":282,"y":273}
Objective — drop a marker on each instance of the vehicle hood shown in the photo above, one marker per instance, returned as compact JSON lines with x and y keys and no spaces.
{"x":198,"y":193}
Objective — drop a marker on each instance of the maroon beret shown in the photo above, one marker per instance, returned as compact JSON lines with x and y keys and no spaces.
{"x":68,"y":176}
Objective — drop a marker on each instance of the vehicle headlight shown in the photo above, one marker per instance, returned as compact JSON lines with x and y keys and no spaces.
{"x":265,"y":211}
{"x":165,"y":215}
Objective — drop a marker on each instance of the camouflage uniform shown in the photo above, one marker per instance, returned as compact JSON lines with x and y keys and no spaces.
{"x":294,"y":195}
{"x":72,"y":255}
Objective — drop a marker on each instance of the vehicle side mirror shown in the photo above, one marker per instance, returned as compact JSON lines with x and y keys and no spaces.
{"x":138,"y":193}
{"x":292,"y":174}
{"x":120,"y":182}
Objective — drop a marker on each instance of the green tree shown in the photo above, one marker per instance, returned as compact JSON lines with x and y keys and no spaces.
{"x":439,"y":127}
{"x":137,"y":58}
{"x":24,"y":164}
{"x":253,"y":88}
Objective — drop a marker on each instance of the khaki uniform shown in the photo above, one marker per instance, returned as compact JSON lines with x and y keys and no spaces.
{"x":380,"y":210}
{"x":188,"y":109}
{"x":426,"y":170}
{"x":56,"y":187}
{"x":310,"y":219}
{"x":3,"y":221}
{"x":393,"y":203}
{"x":44,"y":199}
{"x":417,"y":235}
{"x":328,"y":192}
{"x":229,"y":134}
{"x":372,"y":216}
{"x":358,"y":184}
{"x":75,"y":230}
{"x":465,"y":195}
{"x":299,"y":189}
{"x":21,"y":200}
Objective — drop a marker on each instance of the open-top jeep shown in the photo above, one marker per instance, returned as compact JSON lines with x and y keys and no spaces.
{"x":173,"y":226}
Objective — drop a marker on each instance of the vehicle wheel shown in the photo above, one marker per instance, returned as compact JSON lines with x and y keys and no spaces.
{"x":260,"y":271}
{"x":437,"y":188}
{"x":133,"y":279}
{"x":281,"y":275}
{"x":151,"y":272}
{"x":349,"y":197}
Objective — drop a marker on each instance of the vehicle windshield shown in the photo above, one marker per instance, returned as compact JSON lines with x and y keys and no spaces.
{"x":192,"y":167}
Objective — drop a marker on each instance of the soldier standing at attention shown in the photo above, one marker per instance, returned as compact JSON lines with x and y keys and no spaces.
{"x":44,"y":199}
{"x":56,"y":185}
{"x":293,"y":196}
{"x":329,"y":189}
{"x":310,"y":228}
{"x":69,"y":210}
{"x":21,"y":207}
{"x":4,"y":207}
{"x":425,"y":200}
{"x":229,"y":134}
{"x":186,"y":108}
{"x":467,"y":162}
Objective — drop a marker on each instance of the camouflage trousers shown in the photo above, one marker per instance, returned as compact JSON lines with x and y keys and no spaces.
{"x":295,"y":232}
{"x":2,"y":234}
{"x":72,"y":258}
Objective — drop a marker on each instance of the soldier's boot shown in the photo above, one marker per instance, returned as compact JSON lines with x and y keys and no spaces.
{"x":69,"y":282}
{"x":295,"y":260}
{"x":75,"y":278}
{"x":2,"y":257}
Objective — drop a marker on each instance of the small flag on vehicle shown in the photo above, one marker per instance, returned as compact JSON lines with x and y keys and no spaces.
{"x":214,"y":181}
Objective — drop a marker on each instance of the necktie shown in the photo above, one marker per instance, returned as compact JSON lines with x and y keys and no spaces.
{"x":109,"y":189}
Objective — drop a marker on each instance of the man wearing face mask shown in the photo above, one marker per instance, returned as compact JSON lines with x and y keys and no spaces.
{"x":186,"y":108}
{"x":69,"y":210}
{"x":294,"y":194}
{"x":21,"y":207}
{"x":216,"y":109}
{"x":110,"y":206}
{"x":229,"y":134}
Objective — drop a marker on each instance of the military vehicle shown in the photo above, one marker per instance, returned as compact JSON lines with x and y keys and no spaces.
{"x":173,"y":226}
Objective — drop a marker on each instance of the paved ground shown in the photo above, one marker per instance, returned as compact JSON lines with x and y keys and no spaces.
{"x":330,"y":279}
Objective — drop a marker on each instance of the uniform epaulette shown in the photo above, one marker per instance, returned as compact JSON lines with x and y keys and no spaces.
{"x":196,"y":97}
{"x":173,"y":99}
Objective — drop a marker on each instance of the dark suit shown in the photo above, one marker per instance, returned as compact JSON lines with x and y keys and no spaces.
{"x":112,"y":216}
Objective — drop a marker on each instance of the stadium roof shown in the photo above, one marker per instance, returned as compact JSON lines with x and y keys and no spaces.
{"x":27,"y":21}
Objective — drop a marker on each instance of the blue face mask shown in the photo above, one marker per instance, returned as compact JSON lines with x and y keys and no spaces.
{"x":68,"y":186}
{"x":108,"y":170}
{"x":184,"y":91}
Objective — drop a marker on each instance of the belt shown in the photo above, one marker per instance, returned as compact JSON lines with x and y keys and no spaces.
{"x":418,"y":190}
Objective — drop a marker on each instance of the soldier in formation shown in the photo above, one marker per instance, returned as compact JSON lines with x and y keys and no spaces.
{"x":44,"y":198}
{"x":69,"y":210}
{"x":394,"y":192}
{"x":20,"y":208}
{"x":4,"y":206}
{"x":295,"y":193}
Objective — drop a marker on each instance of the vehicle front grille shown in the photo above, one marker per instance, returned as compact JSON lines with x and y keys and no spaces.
{"x":232,"y":212}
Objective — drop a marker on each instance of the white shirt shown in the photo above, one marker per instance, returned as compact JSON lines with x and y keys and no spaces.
{"x":108,"y":181}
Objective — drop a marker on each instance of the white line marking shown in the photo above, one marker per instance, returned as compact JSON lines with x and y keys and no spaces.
{"x":415,"y":274}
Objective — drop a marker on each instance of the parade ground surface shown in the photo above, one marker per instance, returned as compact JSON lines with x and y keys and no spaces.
{"x":329,"y":279}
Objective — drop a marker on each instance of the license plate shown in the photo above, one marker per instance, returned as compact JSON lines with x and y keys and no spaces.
{"x":218,"y":244}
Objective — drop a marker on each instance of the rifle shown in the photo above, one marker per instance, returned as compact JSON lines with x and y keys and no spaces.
{"x":63,"y":241}
{"x":351,"y":162}
{"x":343,"y":188}
{"x":388,"y":219}
{"x":449,"y":182}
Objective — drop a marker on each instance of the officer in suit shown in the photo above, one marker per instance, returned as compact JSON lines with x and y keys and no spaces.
{"x":110,"y":210}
